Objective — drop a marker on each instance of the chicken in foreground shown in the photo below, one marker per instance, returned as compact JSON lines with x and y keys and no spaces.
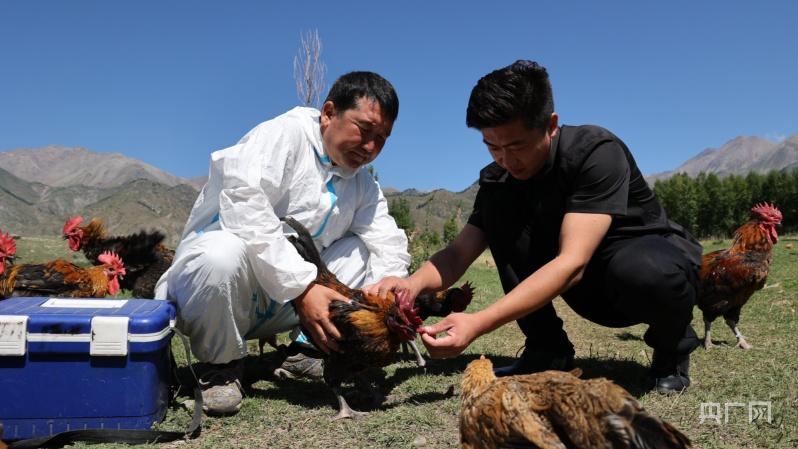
{"x":730,"y":276}
{"x":555,"y":410}
{"x":371,"y":327}
{"x":58,"y":277}
{"x":145,"y":256}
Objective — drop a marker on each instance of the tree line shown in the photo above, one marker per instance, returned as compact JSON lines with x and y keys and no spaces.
{"x":711,"y":206}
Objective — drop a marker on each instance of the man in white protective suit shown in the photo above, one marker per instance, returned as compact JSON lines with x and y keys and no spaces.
{"x":236,"y":276}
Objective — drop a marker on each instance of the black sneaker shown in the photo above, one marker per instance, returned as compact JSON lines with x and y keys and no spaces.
{"x":536,"y":361}
{"x":670,"y":372}
{"x":671,"y":384}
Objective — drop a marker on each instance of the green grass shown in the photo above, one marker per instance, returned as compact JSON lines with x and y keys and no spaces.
{"x":421,"y":411}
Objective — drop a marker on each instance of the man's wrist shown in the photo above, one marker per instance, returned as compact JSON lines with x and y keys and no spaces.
{"x":301,"y":297}
{"x":416,"y":285}
{"x":486,"y":321}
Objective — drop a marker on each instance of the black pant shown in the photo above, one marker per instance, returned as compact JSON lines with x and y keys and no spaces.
{"x":631,"y":281}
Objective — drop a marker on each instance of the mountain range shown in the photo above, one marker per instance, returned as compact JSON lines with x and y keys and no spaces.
{"x":739,"y":156}
{"x":41,"y":187}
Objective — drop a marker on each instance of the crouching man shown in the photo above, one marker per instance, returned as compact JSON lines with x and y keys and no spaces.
{"x":564,"y":211}
{"x":235,"y":275}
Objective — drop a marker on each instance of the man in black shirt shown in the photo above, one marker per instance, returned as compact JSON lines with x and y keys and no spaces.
{"x":565,"y":211}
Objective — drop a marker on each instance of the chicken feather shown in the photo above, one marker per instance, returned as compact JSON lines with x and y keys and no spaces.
{"x":555,"y":410}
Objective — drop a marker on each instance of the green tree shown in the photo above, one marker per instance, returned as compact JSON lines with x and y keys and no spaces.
{"x":400,"y":211}
{"x":712,"y":205}
{"x":450,"y":230}
{"x":679,"y":198}
{"x":430,"y":239}
{"x":373,"y":172}
{"x":739,"y":203}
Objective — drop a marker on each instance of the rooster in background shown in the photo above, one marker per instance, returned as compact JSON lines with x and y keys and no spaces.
{"x":59,"y":277}
{"x":730,"y":276}
{"x":146,"y":258}
{"x":371,"y":327}
{"x":444,"y":302}
{"x":555,"y":410}
{"x":8,"y":251}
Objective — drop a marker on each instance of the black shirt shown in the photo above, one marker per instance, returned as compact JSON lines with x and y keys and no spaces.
{"x":588,"y":169}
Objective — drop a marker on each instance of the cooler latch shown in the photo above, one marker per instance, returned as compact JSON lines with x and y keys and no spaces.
{"x":13,"y":334}
{"x":108,"y":335}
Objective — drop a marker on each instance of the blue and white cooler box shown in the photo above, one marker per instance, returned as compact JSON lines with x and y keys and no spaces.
{"x":72,"y":364}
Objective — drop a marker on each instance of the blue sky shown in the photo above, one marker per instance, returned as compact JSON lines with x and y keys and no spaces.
{"x":168,"y":82}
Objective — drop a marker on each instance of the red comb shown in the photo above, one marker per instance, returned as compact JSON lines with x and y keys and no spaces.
{"x":7,"y":245}
{"x":72,"y":223}
{"x":767,"y":210}
{"x":111,"y":258}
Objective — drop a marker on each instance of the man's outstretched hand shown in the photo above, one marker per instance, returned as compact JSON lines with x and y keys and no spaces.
{"x":460,"y":330}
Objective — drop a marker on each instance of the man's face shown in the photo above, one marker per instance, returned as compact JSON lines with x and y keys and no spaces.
{"x":354,"y":137}
{"x":519,"y":150}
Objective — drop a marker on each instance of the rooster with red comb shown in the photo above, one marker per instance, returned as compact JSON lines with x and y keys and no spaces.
{"x":730,"y":276}
{"x":371,"y":327}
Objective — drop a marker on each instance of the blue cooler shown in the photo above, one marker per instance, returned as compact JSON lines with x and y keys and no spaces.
{"x":73,"y":364}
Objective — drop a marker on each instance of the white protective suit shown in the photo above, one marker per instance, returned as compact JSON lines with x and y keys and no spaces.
{"x":234,"y":271}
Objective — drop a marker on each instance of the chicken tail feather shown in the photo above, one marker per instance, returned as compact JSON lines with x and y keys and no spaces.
{"x":304,"y":245}
{"x":646,"y":432}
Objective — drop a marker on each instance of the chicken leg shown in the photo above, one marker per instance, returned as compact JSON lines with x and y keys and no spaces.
{"x":707,"y":337}
{"x":741,"y":343}
{"x":344,"y":410}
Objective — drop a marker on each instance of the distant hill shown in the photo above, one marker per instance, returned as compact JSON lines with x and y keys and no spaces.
{"x":430,"y":210}
{"x":145,"y":204}
{"x":59,"y":166}
{"x":197,"y":181}
{"x":31,"y":208}
{"x":740,"y":155}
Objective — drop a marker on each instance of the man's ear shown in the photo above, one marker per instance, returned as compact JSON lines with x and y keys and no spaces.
{"x":327,"y":113}
{"x":554,"y":121}
{"x":328,"y":109}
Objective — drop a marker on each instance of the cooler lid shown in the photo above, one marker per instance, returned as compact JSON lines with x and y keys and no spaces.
{"x":107,"y":324}
{"x":74,"y":315}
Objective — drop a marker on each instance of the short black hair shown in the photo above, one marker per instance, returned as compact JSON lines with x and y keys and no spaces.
{"x":519,"y":91}
{"x":347,"y":89}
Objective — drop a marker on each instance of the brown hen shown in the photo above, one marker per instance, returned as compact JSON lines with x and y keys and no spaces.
{"x":730,"y":276}
{"x":555,"y":410}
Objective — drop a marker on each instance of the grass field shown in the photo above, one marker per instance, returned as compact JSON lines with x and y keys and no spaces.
{"x":420,"y":410}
